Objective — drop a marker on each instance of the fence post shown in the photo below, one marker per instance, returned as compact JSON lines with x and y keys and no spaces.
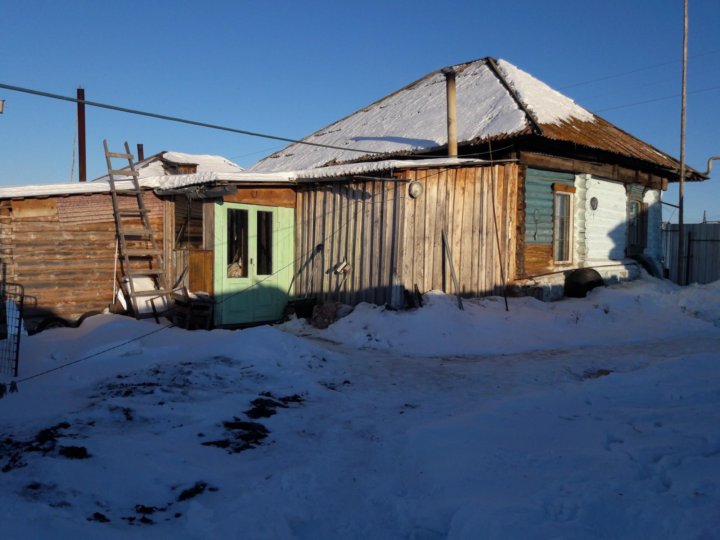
{"x":688,"y":262}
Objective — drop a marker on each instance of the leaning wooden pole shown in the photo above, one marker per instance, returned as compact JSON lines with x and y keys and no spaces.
{"x":681,"y":196}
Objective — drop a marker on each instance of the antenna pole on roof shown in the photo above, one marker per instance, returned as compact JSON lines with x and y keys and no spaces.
{"x":82,"y":170}
{"x":682,"y":280}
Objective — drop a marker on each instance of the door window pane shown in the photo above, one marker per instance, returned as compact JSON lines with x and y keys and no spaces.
{"x":237,"y":243}
{"x":264,"y":243}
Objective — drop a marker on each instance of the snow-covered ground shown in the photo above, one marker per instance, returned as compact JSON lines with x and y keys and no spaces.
{"x":592,"y":418}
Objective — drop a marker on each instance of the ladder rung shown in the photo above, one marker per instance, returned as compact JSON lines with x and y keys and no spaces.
{"x":119,"y":155}
{"x":122,"y":172}
{"x":154,"y":292}
{"x":144,"y":273}
{"x":137,"y":232}
{"x":131,"y":211}
{"x":143,"y":252}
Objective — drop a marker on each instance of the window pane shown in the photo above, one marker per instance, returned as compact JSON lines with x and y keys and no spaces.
{"x":633,"y":223}
{"x":237,"y":243}
{"x":264,"y":243}
{"x":562,"y":227}
{"x":188,"y":223}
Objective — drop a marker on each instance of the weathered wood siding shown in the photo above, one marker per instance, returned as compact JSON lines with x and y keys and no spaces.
{"x":477,"y":209}
{"x":355,"y":221}
{"x":62,"y":249}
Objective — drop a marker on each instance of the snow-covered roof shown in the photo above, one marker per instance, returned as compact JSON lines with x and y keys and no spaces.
{"x":178,"y":181}
{"x":156,"y":165}
{"x":152,"y":182}
{"x":495,"y":99}
{"x":367,"y":167}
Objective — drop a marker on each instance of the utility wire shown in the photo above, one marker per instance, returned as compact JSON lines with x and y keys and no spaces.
{"x":624,"y":73}
{"x":674,"y":96}
{"x":93,"y":355}
{"x":178,"y":119}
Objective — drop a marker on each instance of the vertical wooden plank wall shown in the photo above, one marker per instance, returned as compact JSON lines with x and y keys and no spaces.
{"x":62,"y":249}
{"x":460,"y":201}
{"x":357,"y":222}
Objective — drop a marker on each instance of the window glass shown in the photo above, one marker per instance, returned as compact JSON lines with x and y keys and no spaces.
{"x":188,"y":223}
{"x":264,"y":243}
{"x":634,"y":223}
{"x":237,"y":243}
{"x":562,"y":227}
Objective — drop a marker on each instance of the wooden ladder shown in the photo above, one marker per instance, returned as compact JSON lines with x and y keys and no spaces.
{"x":141,"y":262}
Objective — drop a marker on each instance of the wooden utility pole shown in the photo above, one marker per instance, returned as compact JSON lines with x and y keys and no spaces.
{"x":681,"y":203}
{"x":82,"y":170}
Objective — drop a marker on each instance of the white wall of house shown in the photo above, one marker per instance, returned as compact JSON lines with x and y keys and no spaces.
{"x":654,"y":249}
{"x":601,"y":233}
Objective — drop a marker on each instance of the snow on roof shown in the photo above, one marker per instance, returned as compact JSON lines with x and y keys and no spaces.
{"x":206,"y":163}
{"x":353,"y":169}
{"x":153,"y":182}
{"x":414,"y":118}
{"x":178,"y":181}
{"x":548,"y":105}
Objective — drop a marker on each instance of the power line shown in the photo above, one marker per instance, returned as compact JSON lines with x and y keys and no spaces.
{"x":178,"y":119}
{"x":674,"y":96}
{"x":632,"y":71}
{"x":93,"y":355}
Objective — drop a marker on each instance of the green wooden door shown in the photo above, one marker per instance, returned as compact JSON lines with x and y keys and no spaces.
{"x":253,"y":262}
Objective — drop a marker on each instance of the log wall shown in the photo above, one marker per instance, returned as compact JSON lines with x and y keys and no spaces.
{"x":62,"y":250}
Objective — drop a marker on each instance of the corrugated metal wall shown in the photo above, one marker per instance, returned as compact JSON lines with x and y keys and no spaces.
{"x":701,"y":260}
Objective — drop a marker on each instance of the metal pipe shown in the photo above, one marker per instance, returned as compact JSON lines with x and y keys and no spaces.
{"x":451,"y":111}
{"x":82,"y":163}
{"x":140,"y":152}
{"x":710,"y":160}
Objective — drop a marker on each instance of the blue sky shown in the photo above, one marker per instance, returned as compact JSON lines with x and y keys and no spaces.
{"x":289,"y":68}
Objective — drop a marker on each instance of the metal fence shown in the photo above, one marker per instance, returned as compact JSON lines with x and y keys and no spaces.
{"x":12,"y":299}
{"x":700,"y":262}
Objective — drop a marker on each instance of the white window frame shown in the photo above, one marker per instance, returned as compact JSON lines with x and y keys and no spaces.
{"x":557,"y":193}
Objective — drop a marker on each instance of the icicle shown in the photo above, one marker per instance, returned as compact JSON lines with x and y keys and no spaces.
{"x":13,"y":387}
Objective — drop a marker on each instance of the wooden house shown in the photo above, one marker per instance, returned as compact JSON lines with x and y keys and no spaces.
{"x":223,"y":231}
{"x":480,"y":170}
